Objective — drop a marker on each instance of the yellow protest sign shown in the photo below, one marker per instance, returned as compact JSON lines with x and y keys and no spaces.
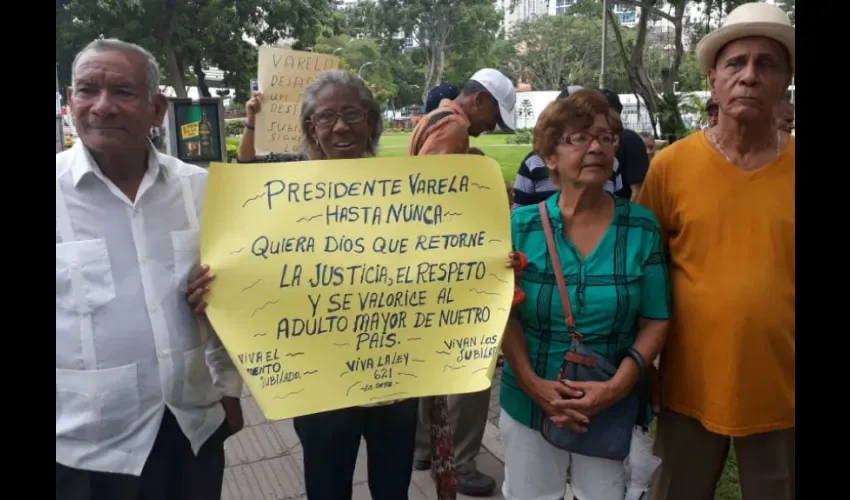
{"x":351,"y":282}
{"x":189,"y":131}
{"x":283,"y":74}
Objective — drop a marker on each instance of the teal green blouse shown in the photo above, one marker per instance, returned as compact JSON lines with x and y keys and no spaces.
{"x":624,"y":278}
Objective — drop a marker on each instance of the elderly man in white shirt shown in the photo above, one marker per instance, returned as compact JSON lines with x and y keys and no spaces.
{"x":145,"y":392}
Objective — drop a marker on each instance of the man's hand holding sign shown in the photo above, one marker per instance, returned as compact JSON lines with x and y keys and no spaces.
{"x":357,"y":281}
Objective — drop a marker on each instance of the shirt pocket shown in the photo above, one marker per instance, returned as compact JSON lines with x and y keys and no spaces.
{"x":186,"y":246}
{"x":191,"y":376}
{"x":96,"y":405}
{"x":84,"y":279}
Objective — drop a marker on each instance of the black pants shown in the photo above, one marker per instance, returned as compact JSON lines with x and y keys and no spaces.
{"x":331,"y":440}
{"x":171,"y":472}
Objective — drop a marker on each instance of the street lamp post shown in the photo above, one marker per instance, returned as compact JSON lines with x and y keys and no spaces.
{"x":362,"y":67}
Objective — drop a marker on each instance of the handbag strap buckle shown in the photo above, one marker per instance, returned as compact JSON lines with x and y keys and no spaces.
{"x":579,"y":359}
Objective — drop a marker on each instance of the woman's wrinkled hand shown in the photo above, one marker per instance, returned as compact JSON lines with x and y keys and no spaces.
{"x":546,"y":393}
{"x":595,"y":398}
{"x":198,"y":287}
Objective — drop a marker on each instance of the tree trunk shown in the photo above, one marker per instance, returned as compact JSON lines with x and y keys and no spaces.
{"x":638,"y":81}
{"x":672,"y":125}
{"x":436,"y":67}
{"x":203,"y":89}
{"x":175,"y":73}
{"x":708,"y":8}
{"x":441,"y":64}
{"x":678,"y":50}
{"x":170,"y":11}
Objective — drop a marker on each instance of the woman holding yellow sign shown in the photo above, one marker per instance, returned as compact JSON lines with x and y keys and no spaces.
{"x":341,"y":120}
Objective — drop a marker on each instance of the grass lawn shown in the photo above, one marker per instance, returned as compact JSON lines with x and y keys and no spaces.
{"x":508,"y":155}
{"x":729,"y":488}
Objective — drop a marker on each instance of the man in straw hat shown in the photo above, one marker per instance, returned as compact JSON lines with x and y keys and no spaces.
{"x":725,"y":201}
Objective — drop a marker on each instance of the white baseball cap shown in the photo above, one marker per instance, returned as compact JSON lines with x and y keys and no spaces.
{"x":502,"y":89}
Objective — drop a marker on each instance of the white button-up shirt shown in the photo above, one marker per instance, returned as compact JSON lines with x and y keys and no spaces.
{"x":127,"y":342}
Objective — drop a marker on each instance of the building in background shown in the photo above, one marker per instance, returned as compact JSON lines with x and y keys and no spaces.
{"x":559,"y":7}
{"x":341,"y":4}
{"x":522,"y":11}
{"x":530,"y":104}
{"x":627,"y":15}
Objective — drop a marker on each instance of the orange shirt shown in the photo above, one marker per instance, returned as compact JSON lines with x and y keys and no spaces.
{"x":450,"y":135}
{"x":729,"y":359}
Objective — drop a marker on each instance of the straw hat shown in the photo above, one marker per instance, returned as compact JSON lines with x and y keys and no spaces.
{"x":748,"y":20}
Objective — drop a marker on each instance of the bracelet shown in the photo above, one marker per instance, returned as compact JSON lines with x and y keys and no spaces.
{"x":249,"y":127}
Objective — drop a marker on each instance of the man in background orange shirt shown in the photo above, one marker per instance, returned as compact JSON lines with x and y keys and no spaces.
{"x":725,"y":201}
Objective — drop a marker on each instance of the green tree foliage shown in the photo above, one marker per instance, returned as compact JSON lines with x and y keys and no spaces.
{"x":363,"y":20}
{"x":189,"y":36}
{"x":357,"y":53}
{"x":478,"y":43}
{"x":691,"y":77}
{"x":714,"y":11}
{"x":460,"y":33}
{"x":693,"y":105}
{"x":556,"y":50}
{"x":548,"y":58}
{"x":425,"y":42}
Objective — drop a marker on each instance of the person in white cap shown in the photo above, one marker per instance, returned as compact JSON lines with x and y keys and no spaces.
{"x":488,"y":99}
{"x":725,"y":200}
{"x":485,"y":101}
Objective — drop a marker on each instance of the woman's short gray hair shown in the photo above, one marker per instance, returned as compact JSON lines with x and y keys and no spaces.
{"x":349,"y":81}
{"x":153,"y":74}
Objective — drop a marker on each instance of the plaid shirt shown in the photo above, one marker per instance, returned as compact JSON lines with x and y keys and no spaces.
{"x":624,"y":278}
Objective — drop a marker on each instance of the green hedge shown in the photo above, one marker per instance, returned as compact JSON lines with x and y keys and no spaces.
{"x":232,"y":144}
{"x":234,"y":127}
{"x":522,"y":136}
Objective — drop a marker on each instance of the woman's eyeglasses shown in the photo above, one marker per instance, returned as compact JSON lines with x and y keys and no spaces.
{"x":584,"y":139}
{"x":327,"y":119}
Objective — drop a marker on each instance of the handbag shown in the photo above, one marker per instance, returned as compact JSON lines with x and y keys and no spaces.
{"x":609,"y":434}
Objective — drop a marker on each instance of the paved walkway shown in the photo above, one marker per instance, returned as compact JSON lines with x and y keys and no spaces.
{"x":264,"y":461}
